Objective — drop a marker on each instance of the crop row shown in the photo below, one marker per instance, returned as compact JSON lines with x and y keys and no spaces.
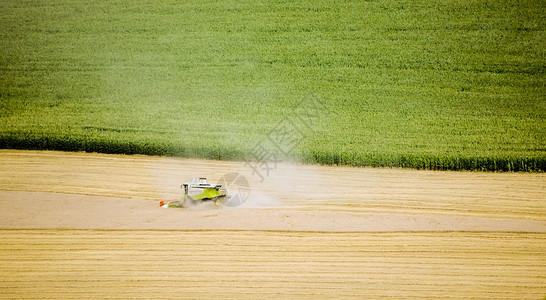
{"x":424,"y":162}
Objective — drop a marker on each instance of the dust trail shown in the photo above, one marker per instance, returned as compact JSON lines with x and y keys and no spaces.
{"x":259,"y":200}
{"x":281,"y":185}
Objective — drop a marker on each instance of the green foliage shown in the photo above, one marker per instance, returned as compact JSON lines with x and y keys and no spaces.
{"x":447,"y":85}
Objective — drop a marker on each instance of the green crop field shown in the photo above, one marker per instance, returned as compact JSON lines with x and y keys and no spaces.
{"x":450,"y":84}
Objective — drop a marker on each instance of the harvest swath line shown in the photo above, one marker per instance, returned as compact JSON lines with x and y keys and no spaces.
{"x":49,"y":264}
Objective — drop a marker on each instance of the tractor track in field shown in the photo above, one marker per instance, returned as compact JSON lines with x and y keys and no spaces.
{"x":78,"y":225}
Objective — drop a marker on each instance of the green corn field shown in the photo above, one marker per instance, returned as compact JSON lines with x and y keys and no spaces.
{"x":442,"y":85}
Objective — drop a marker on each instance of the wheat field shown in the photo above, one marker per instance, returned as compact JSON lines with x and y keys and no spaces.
{"x":87,"y":226}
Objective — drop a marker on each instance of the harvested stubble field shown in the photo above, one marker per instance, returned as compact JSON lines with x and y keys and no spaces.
{"x":76,"y":225}
{"x":64,"y":264}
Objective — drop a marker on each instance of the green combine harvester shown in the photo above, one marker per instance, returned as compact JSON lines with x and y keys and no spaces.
{"x":196,"y":191}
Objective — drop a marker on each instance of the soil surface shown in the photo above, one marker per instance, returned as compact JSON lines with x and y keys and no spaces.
{"x":79,"y":225}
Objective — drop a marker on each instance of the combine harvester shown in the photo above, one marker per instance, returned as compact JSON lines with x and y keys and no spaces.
{"x":196,"y":191}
